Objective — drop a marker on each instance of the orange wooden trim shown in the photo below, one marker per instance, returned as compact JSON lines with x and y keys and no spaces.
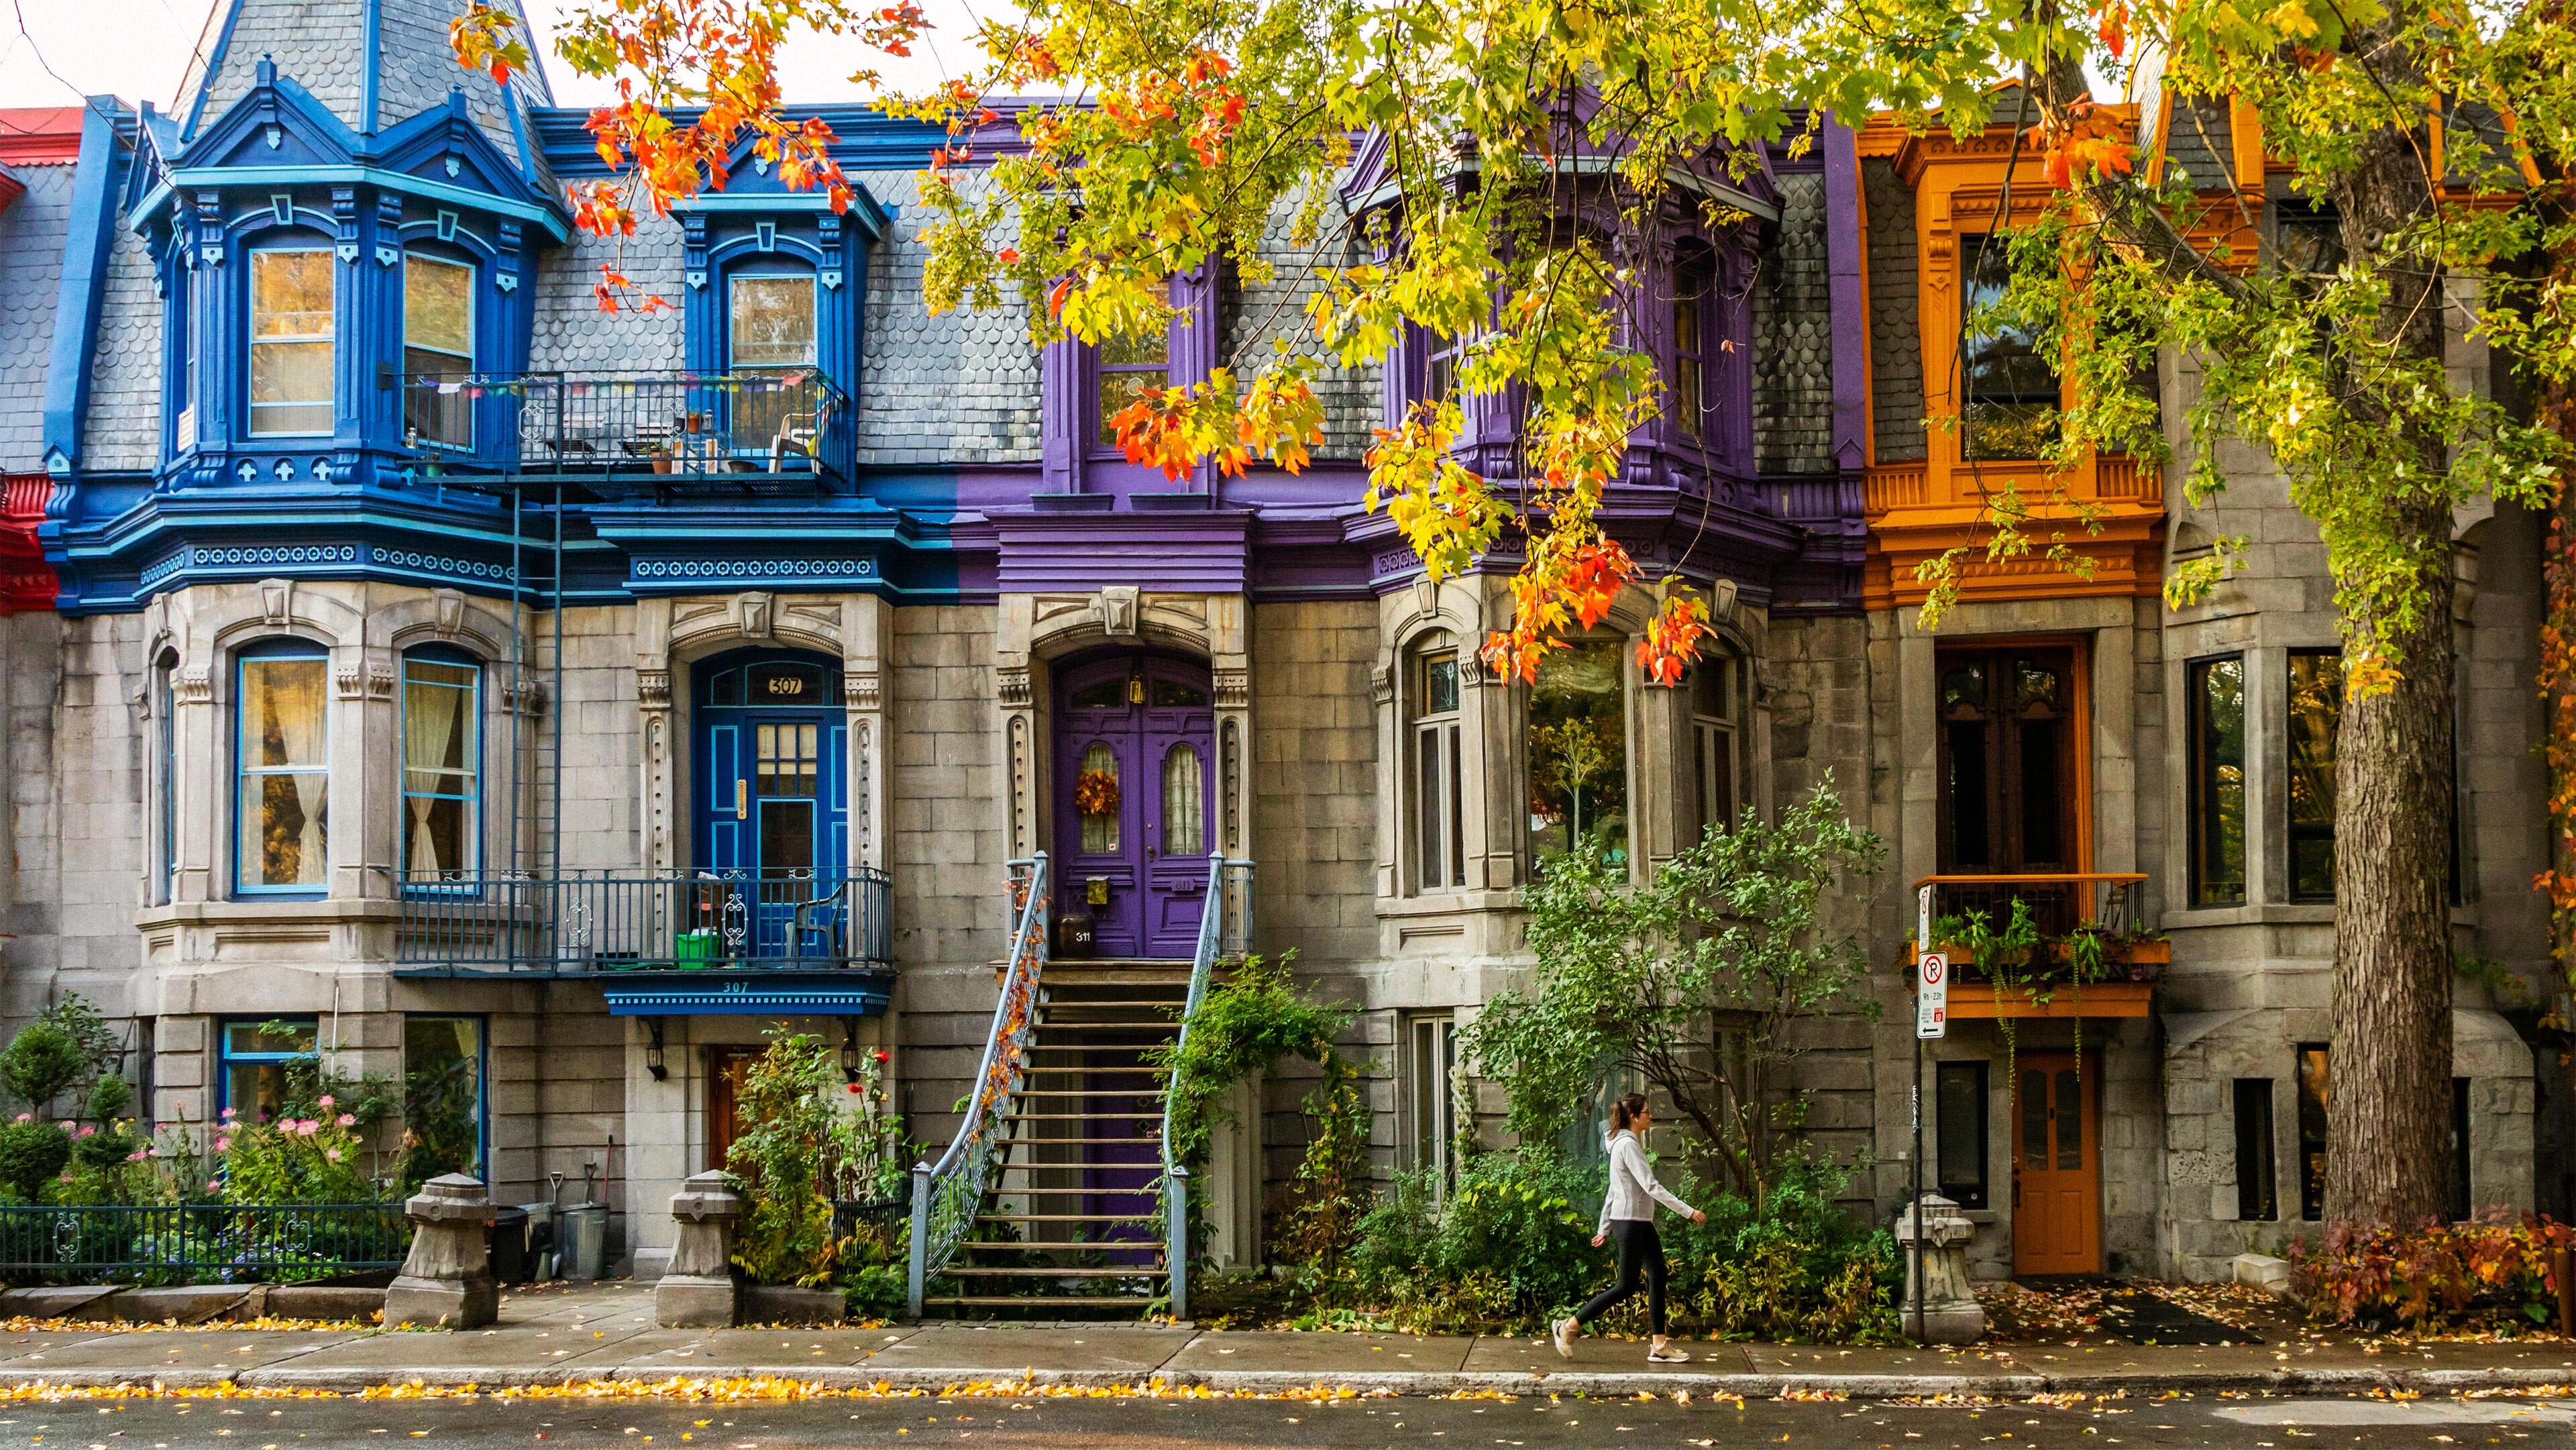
{"x":1981,"y":1002}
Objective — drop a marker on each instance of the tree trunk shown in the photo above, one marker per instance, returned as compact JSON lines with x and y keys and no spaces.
{"x":2388,"y":1110}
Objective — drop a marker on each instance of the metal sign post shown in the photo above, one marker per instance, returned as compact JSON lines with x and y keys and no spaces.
{"x":1931,"y":1020}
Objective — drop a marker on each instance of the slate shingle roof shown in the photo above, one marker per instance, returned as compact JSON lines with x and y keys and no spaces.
{"x":1793,"y":339}
{"x":960,"y":388}
{"x":1895,"y":337}
{"x":31,"y":267}
{"x":1253,"y":314}
{"x":124,"y":422}
{"x":2198,"y":143}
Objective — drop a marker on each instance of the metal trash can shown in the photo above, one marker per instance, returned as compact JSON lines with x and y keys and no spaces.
{"x":582,"y":1232}
{"x":541,"y":1241}
{"x":509,"y":1237}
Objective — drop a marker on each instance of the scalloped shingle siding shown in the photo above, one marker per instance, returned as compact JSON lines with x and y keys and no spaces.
{"x":1793,"y":339}
{"x":124,"y":425}
{"x":957,"y":388}
{"x":1895,"y":337}
{"x":31,"y":269}
{"x":573,"y":335}
{"x":316,"y":46}
{"x":1254,"y":314}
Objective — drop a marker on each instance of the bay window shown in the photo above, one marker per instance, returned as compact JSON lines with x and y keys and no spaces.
{"x":1439,"y":809}
{"x":282,"y":759}
{"x":2011,"y":386}
{"x":438,"y":350}
{"x":291,"y":341}
{"x":1578,"y":752}
{"x":1716,"y":712}
{"x":2216,"y":702}
{"x":1693,"y":284}
{"x":442,"y":765}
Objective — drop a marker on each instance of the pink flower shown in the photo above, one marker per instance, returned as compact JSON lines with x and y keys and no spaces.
{"x":89,"y":1132}
{"x":348,"y":1120}
{"x":327,"y":1100}
{"x":136,"y":1156}
{"x":333,"y":1155}
{"x":230,"y":1113}
{"x":306,"y":1128}
{"x":66,"y":1125}
{"x":223,"y":1145}
{"x":26,"y":1117}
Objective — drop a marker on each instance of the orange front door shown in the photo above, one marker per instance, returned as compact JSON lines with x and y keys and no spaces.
{"x":2057,"y":1166}
{"x":726,"y":1068}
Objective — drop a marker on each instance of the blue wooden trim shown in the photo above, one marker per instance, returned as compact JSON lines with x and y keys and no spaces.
{"x":372,"y":62}
{"x":870,"y":215}
{"x":214,"y":67}
{"x":761,"y":992}
{"x":78,"y":300}
{"x":274,"y":647}
{"x":555,"y":223}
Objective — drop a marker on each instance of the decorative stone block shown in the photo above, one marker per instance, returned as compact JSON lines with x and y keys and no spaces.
{"x":698,"y":1291}
{"x":447,"y":1280}
{"x":2264,"y":1272}
{"x":1949,"y":1312}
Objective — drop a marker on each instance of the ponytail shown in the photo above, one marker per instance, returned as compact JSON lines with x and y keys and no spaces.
{"x":1624,"y":1112}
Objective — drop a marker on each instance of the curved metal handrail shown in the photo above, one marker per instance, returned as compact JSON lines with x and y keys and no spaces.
{"x":944,"y":1195}
{"x":1215,"y":941}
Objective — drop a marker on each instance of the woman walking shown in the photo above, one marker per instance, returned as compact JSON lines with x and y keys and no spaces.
{"x":1628,"y":1215}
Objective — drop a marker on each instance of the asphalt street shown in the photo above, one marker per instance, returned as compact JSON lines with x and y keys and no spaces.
{"x":1184,"y":1424}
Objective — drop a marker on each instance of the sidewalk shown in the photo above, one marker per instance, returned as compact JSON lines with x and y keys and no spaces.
{"x":597,"y":1333}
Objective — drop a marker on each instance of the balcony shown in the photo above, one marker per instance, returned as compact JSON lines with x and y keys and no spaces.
{"x":645,"y":933}
{"x":653,"y":429}
{"x":2079,"y":946}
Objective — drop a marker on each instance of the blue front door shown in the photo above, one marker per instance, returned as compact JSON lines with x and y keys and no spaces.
{"x":772,"y":807}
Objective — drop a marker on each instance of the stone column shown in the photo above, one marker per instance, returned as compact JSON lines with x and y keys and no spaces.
{"x":698,"y":1291}
{"x":1230,"y":664}
{"x":447,"y":1280}
{"x":1951,"y":1314}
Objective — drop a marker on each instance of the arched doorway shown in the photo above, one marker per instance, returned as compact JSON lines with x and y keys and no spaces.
{"x":1134,"y":786}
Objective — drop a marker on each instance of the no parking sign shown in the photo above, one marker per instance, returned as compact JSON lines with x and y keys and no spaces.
{"x":1932,"y":995}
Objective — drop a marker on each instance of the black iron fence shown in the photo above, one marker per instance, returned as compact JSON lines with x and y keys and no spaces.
{"x":201,"y":1243}
{"x":780,"y":420}
{"x":2061,"y":904}
{"x":504,"y":920}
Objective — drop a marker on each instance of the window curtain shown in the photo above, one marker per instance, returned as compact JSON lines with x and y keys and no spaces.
{"x":1184,"y":804}
{"x":431,"y":714}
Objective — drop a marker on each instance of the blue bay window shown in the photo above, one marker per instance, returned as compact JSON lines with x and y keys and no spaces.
{"x":442,"y":780}
{"x":438,"y":351}
{"x":252,"y":1058}
{"x":281,"y":759}
{"x":292,"y":341}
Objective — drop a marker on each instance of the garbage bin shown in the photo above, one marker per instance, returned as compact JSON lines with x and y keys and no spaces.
{"x":583,"y":1233}
{"x":509,"y":1237}
{"x":541,"y":1241}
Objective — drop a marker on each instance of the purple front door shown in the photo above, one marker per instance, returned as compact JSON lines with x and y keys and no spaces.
{"x":1134,"y":778}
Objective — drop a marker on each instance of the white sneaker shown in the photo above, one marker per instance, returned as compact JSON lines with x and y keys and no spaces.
{"x":1565,"y":1338}
{"x":1666,"y":1354}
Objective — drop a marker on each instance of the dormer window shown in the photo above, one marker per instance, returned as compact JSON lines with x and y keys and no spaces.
{"x":1440,"y":367}
{"x":438,"y":348}
{"x":1690,"y":356}
{"x":1128,"y":368}
{"x":2012,"y":389}
{"x":291,"y":338}
{"x":771,"y":333}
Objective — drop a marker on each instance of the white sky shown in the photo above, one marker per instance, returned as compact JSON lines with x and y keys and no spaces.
{"x":54,"y":52}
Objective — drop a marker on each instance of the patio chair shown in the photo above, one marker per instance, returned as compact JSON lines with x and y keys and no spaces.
{"x":801,"y":432}
{"x":824,"y":914}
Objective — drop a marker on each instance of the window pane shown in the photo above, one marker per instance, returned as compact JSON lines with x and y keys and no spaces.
{"x":2011,"y":386}
{"x":1125,"y":352}
{"x":1431,"y":816}
{"x":2070,"y":1119}
{"x":1100,"y":829}
{"x":2316,"y":709}
{"x":1184,"y":803}
{"x":2041,"y":804}
{"x":1970,"y":842}
{"x":290,"y":294}
{"x":1118,"y":391}
{"x":438,"y":308}
{"x":291,"y":331}
{"x":1578,"y":752}
{"x":1173,"y":695}
{"x":786,"y":837}
{"x":773,"y":321}
{"x":2312,"y":1131}
{"x":284,"y":828}
{"x":1959,"y":1093}
{"x":283,"y":805}
{"x":294,"y":1038}
{"x":2034,"y":1119}
{"x":2217,"y":704}
{"x":1439,"y":691}
{"x":442,"y":1098}
{"x":282,"y":712}
{"x":2255,"y":1171}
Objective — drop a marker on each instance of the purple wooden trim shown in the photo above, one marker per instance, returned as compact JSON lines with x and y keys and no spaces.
{"x":1201,"y":551}
{"x":1849,"y":301}
{"x":1061,"y":395}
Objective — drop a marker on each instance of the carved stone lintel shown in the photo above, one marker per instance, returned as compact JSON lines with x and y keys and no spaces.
{"x":1426,"y":595}
{"x":1116,"y":606}
{"x":1012,"y":683}
{"x":1233,"y":689}
{"x":698,"y":1290}
{"x":447,"y":1280}
{"x":1471,"y":668}
{"x":372,"y":682}
{"x":653,"y":689}
{"x":532,"y":698}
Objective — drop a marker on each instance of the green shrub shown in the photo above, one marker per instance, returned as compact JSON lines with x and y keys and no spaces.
{"x":2489,"y":1273}
{"x":32,"y":1153}
{"x":41,"y":1061}
{"x":103,"y":1150}
{"x":812,"y":1138}
{"x":109,"y":1097}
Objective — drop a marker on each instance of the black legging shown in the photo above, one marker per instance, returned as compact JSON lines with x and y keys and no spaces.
{"x":1641,"y":1253}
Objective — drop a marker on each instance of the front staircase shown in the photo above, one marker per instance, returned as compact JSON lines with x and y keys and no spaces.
{"x":1070,"y":1220}
{"x":1056,"y":1194}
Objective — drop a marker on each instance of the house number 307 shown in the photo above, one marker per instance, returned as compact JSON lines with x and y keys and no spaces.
{"x":787,"y":687}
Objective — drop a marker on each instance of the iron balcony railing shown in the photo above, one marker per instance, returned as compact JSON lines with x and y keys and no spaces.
{"x":610,"y":922}
{"x":2113,"y":904}
{"x":780,"y":420}
{"x":201,"y":1242}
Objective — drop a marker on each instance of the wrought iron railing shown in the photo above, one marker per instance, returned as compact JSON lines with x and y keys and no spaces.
{"x":1225,"y":931}
{"x":945,"y":1194}
{"x":608,"y":922}
{"x":201,"y":1243}
{"x":2113,"y":904}
{"x":767,"y":421}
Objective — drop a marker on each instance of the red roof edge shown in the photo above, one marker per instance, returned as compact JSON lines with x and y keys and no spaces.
{"x":27,"y":582}
{"x":40,"y":135}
